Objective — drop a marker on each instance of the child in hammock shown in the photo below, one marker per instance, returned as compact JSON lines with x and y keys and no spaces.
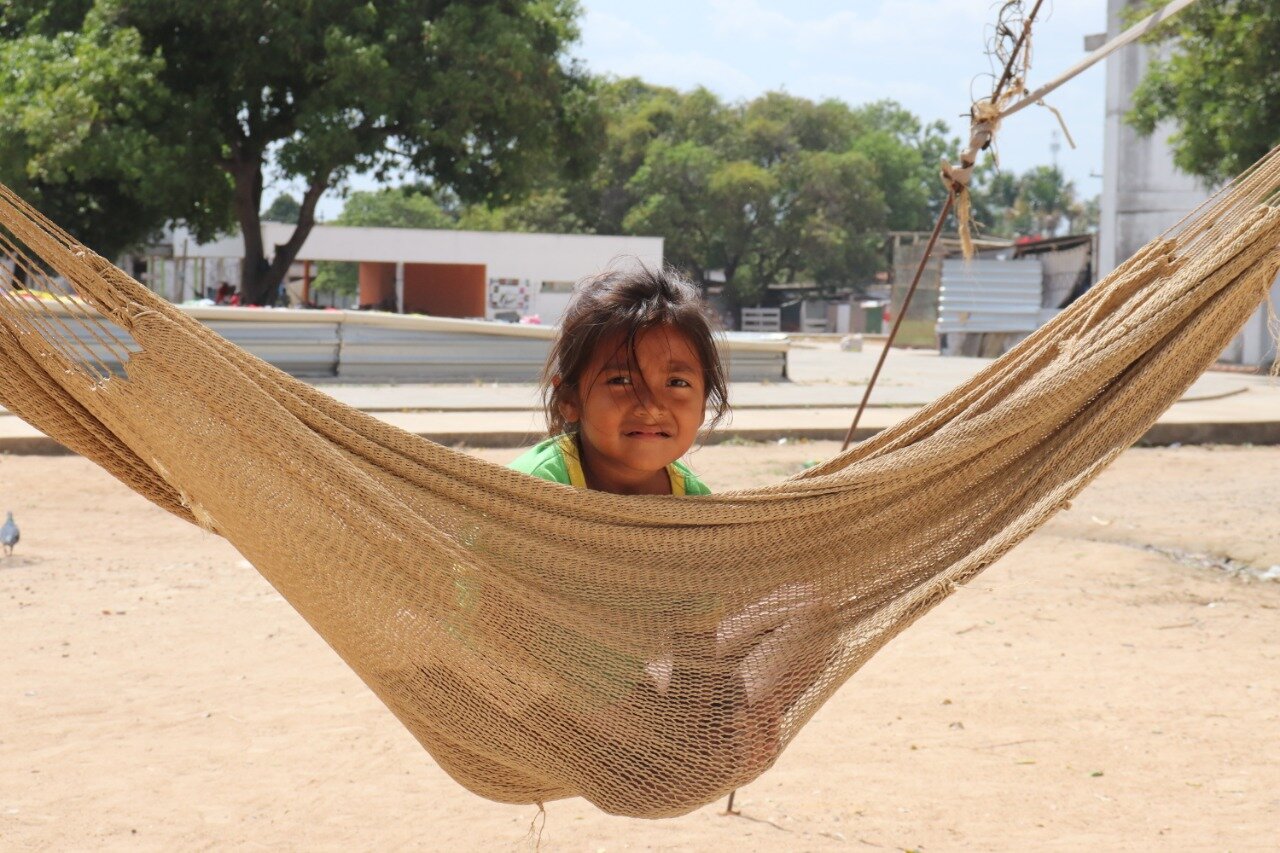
{"x":626,"y":389}
{"x":627,"y":386}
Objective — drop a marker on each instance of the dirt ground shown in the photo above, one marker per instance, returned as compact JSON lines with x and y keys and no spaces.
{"x":1114,"y":683}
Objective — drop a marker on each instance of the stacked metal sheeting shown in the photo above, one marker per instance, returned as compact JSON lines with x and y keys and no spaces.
{"x":434,"y":349}
{"x":365,"y":346}
{"x":303,"y":349}
{"x":439,"y":349}
{"x":990,"y":296}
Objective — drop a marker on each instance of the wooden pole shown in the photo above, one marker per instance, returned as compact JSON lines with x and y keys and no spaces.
{"x":897,"y":321}
{"x":937,"y":229}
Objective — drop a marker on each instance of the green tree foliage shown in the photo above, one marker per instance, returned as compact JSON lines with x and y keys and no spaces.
{"x":1039,"y":202}
{"x":547,"y":210}
{"x":775,"y":190}
{"x":74,"y":115}
{"x":907,"y":154}
{"x":285,"y":208}
{"x":408,"y":206}
{"x":479,"y":96}
{"x":1219,"y":86}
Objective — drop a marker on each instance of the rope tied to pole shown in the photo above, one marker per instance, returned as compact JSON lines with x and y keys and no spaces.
{"x":982,"y":131}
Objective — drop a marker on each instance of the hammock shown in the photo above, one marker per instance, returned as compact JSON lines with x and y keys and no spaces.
{"x":649,"y":654}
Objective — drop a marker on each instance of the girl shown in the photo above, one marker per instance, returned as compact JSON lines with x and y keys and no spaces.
{"x":627,"y":386}
{"x":626,"y":389}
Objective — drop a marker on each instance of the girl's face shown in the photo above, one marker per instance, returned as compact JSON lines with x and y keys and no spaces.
{"x":635,"y":420}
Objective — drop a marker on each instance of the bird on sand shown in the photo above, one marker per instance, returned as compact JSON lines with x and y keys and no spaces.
{"x":8,"y":534}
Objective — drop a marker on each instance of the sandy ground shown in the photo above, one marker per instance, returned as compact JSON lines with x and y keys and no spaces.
{"x":1106,"y":685}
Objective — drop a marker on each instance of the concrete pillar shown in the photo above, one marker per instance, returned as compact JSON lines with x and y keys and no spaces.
{"x":399,"y":287}
{"x":1257,"y":345}
{"x":1143,"y":193}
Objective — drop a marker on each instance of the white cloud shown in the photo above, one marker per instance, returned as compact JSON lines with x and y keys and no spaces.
{"x":881,"y":26}
{"x":687,"y":70}
{"x":610,"y":32}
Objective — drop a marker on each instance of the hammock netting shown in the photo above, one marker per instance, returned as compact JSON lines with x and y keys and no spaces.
{"x":647,"y":653}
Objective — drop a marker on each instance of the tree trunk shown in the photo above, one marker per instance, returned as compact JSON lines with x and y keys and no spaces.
{"x":260,"y":278}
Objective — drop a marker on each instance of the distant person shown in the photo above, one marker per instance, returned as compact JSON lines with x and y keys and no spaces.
{"x":225,"y":294}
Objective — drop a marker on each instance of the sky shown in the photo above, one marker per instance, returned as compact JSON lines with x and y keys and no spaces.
{"x":929,"y":55}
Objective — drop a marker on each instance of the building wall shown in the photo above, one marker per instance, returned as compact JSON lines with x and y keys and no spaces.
{"x":377,"y":284}
{"x":536,"y":257}
{"x":445,"y":290}
{"x":1144,"y":194}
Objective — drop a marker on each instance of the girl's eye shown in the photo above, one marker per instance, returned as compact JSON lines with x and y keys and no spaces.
{"x":618,"y":380}
{"x":679,"y":383}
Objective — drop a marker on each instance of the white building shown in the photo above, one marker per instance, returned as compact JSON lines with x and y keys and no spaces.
{"x":1143,"y":194}
{"x":482,"y":274}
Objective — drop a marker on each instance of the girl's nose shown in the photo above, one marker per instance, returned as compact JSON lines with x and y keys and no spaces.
{"x":646,"y":401}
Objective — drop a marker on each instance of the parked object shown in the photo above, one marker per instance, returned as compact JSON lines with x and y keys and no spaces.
{"x":761,"y":319}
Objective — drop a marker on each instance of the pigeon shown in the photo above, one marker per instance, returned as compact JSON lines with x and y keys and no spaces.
{"x":8,"y":534}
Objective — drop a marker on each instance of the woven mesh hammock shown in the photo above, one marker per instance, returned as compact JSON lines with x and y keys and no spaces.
{"x":647,"y":653}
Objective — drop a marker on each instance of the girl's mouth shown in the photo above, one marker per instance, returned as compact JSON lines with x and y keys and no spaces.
{"x":650,"y":433}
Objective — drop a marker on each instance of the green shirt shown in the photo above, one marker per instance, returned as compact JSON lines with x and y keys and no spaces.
{"x":614,"y":673}
{"x":556,"y":459}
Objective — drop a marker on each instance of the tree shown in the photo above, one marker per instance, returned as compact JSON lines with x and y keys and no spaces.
{"x":407,"y":206}
{"x":74,"y":110}
{"x":775,"y":190}
{"x":1218,"y":86}
{"x":1039,"y":202}
{"x":548,"y":210}
{"x":285,"y":209}
{"x":1049,"y":198}
{"x":478,"y":96}
{"x":908,"y":157}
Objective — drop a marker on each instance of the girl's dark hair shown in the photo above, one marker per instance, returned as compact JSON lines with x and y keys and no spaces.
{"x":621,"y":304}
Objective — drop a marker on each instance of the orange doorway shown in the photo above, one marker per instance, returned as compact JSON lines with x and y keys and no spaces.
{"x":445,"y":290}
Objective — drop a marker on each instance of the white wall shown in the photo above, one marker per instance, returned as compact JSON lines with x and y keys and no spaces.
{"x":537,"y":257}
{"x":1144,"y":194}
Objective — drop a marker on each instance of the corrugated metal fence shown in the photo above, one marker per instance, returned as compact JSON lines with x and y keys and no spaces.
{"x":990,"y":296}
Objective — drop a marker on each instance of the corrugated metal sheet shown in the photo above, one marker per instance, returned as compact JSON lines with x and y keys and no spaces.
{"x":374,"y":347}
{"x":990,"y":296}
{"x":373,"y":351}
{"x":381,"y":352}
{"x":301,"y":349}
